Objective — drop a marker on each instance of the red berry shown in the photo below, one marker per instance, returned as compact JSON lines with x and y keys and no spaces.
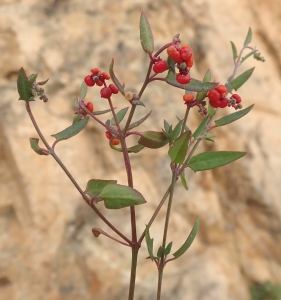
{"x":108,"y":134}
{"x":105,"y":75}
{"x":221,"y":89}
{"x":183,"y":79}
{"x":89,"y":80}
{"x":95,"y":71}
{"x":213,"y":95}
{"x":189,"y":62}
{"x":113,"y":88}
{"x":236,"y":97}
{"x":223,"y":103}
{"x":115,"y":142}
{"x":186,"y":52}
{"x":174,"y":53}
{"x":90,"y":106}
{"x":105,"y":92}
{"x":160,"y":66}
{"x":99,"y":82}
{"x":188,"y":98}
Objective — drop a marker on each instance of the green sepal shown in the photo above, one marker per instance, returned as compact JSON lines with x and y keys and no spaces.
{"x":146,"y":35}
{"x":153,"y":139}
{"x":24,"y":87}
{"x":179,"y":148}
{"x":116,"y":196}
{"x":213,"y":159}
{"x":194,"y":85}
{"x":188,"y":241}
{"x":34,"y":145}
{"x":95,"y":186}
{"x":241,"y":79}
{"x":119,"y":116}
{"x":234,"y":116}
{"x":71,"y":130}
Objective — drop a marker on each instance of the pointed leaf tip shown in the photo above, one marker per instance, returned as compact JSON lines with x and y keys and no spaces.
{"x":146,"y":35}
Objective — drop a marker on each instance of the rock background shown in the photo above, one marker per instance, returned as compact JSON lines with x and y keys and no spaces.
{"x":47,"y":249}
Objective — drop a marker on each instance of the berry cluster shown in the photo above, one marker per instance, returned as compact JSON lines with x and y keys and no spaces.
{"x":217,"y":98}
{"x":183,"y":57}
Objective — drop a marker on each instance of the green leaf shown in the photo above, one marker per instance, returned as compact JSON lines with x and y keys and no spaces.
{"x":174,"y":134}
{"x":189,"y":240}
{"x":24,"y":88}
{"x":135,"y":149}
{"x":160,"y":252}
{"x":149,"y":243}
{"x":116,"y":196}
{"x":95,"y":186}
{"x":234,"y":50}
{"x":166,"y":126}
{"x":140,"y":121}
{"x":200,"y":96}
{"x":115,"y":79}
{"x":138,"y":102}
{"x":168,"y":248}
{"x":194,"y":85}
{"x":241,"y":79}
{"x":76,"y":119}
{"x":213,"y":159}
{"x":32,"y":78}
{"x":178,"y":151}
{"x":248,"y":37}
{"x":248,"y":55}
{"x":75,"y":102}
{"x":153,"y":139}
{"x":34,"y":145}
{"x":120,"y":116}
{"x":201,"y":127}
{"x":234,"y":116}
{"x":83,"y":90}
{"x":71,"y":130}
{"x":146,"y":35}
{"x":183,"y":180}
{"x":101,"y":112}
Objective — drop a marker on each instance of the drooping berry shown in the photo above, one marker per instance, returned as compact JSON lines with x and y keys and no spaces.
{"x":105,"y":92}
{"x":236,"y":97}
{"x":108,"y":134}
{"x":89,"y":80}
{"x":221,"y":89}
{"x":113,"y":88}
{"x":115,"y":142}
{"x":187,"y":98}
{"x":90,"y":106}
{"x":160,"y":66}
{"x":183,"y":78}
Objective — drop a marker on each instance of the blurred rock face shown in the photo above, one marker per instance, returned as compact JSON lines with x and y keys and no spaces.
{"x":47,"y":248}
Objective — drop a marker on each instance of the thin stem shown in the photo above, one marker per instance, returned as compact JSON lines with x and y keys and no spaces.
{"x":185,"y":118}
{"x":166,"y":226}
{"x":85,"y":198}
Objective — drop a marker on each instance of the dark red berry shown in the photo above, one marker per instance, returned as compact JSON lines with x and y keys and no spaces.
{"x":183,"y":78}
{"x":236,"y":97}
{"x":108,"y":134}
{"x":223,"y":103}
{"x":113,"y":88}
{"x":89,"y":80}
{"x":221,"y":89}
{"x":213,"y":95}
{"x":160,"y":66}
{"x":105,"y":92}
{"x":90,"y":106}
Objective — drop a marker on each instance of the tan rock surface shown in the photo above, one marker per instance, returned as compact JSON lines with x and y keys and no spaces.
{"x":47,"y":249}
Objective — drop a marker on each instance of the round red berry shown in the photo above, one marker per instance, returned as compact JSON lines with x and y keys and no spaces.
{"x":223,"y":103}
{"x":236,"y":97}
{"x":174,"y":53}
{"x":89,"y":80}
{"x":213,"y":95}
{"x":221,"y":89}
{"x":115,"y":142}
{"x":188,"y":98}
{"x":95,"y":71}
{"x":183,"y":78}
{"x":105,"y":92}
{"x":108,"y":134}
{"x":160,"y":66}
{"x":90,"y":106}
{"x":105,"y":75}
{"x":113,"y":88}
{"x":186,"y":52}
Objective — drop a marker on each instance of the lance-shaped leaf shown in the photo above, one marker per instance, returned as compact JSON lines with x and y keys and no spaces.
{"x":241,"y":79}
{"x":213,"y":159}
{"x":101,"y":112}
{"x":153,"y":139}
{"x":83,"y":90}
{"x":160,"y":252}
{"x":71,"y":130}
{"x":146,"y":35}
{"x":115,"y":79}
{"x":120,"y":116}
{"x":201,"y":127}
{"x":34,"y":145}
{"x":248,"y":37}
{"x":178,"y":151}
{"x":167,"y":127}
{"x":234,"y":116}
{"x":135,"y":149}
{"x":24,"y":88}
{"x":248,"y":55}
{"x":183,"y":180}
{"x":194,"y":84}
{"x":149,"y":243}
{"x":140,"y":121}
{"x":95,"y":186}
{"x":32,"y":78}
{"x":174,"y":134}
{"x":188,"y":241}
{"x":116,"y":196}
{"x":234,"y":50}
{"x":200,"y":96}
{"x":168,"y":248}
